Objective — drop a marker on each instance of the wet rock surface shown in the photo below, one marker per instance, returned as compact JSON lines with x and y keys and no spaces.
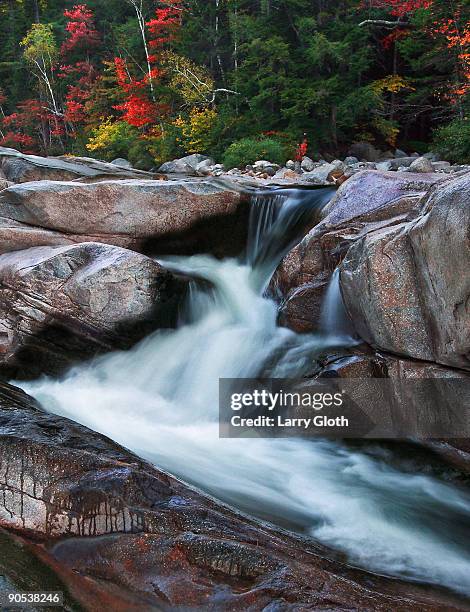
{"x":59,"y":305}
{"x":122,"y":534}
{"x":364,"y":363}
{"x":369,"y":201}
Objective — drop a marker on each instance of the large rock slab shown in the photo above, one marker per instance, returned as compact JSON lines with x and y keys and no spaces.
{"x":124,"y":536}
{"x":149,"y":216}
{"x":366,"y":202}
{"x":407,"y":288}
{"x":62,"y":304}
{"x":21,"y":168}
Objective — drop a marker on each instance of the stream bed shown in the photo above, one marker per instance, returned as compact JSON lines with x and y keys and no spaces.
{"x":160,"y":399}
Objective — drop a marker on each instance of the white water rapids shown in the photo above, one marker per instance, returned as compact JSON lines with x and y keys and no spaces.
{"x":160,"y":400}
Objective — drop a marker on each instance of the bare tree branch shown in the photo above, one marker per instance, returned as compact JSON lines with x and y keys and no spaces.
{"x":386,"y":24}
{"x":223,"y":90}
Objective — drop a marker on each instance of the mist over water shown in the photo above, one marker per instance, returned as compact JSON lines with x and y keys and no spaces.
{"x":160,"y":399}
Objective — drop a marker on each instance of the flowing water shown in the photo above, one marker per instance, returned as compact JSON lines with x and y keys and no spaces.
{"x":160,"y":399}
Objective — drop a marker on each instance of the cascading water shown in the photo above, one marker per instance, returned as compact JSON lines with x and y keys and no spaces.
{"x":334,"y":320}
{"x":276,"y":222}
{"x":161,"y":400}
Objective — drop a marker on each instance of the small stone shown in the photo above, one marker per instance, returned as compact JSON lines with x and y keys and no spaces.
{"x":263,"y":163}
{"x":122,"y":163}
{"x":307,"y":164}
{"x":385,"y":166}
{"x":421,"y":165}
{"x":351,"y":160}
{"x":290,"y":165}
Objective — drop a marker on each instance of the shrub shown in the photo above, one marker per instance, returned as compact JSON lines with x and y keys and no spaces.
{"x":452,"y":141}
{"x":112,"y":139}
{"x":196,"y":129}
{"x":248,"y":150}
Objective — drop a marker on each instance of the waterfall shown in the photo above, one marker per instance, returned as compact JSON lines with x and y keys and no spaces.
{"x":160,"y":399}
{"x":278,"y":219}
{"x":334,"y":320}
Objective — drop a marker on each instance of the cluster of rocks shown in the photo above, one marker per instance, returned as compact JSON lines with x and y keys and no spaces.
{"x":76,"y":279}
{"x":77,"y":238}
{"x":404,"y":283}
{"x":362,"y":156}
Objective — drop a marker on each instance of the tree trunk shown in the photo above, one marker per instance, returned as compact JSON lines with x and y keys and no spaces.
{"x":37,"y":17}
{"x":334,"y":133}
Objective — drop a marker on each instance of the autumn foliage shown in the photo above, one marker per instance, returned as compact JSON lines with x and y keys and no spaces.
{"x":163,"y":77}
{"x":81,"y":32}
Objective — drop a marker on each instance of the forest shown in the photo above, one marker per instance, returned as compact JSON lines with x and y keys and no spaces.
{"x":151,"y":80}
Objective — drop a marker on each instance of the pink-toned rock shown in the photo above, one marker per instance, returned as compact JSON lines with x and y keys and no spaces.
{"x":369,"y":200}
{"x":125,"y":536}
{"x":407,"y":287}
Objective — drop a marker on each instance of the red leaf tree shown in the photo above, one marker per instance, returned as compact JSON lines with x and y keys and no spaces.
{"x":82,"y":36}
{"x":140,"y":108}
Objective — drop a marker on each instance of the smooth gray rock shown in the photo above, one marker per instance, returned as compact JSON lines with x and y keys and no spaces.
{"x":20,"y":168}
{"x":400,"y":153}
{"x":265,"y":166}
{"x":149,"y":216}
{"x":440,"y":165}
{"x":385,"y":166}
{"x":62,"y":304}
{"x":307,"y":164}
{"x":432,"y":156}
{"x":350,"y":161}
{"x":183,"y":165}
{"x":422,"y":164}
{"x":205,"y":167}
{"x":122,"y":163}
